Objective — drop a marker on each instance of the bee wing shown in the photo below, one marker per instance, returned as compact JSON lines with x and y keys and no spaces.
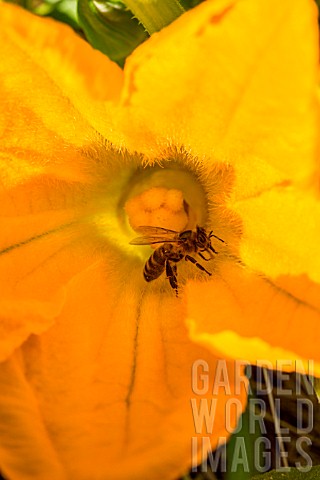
{"x":153,"y":235}
{"x":147,"y":230}
{"x":149,"y":240}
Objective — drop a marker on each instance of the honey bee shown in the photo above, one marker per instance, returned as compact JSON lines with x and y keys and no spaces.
{"x":175,"y":246}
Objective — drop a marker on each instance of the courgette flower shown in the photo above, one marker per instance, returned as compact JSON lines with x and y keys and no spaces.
{"x":213,"y":123}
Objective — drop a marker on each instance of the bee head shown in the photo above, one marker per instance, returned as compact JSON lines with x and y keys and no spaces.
{"x":203,"y":239}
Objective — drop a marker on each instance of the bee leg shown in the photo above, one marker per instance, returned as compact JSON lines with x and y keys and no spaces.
{"x":171,"y":271}
{"x":204,"y":258}
{"x":194,"y":261}
{"x":215,"y":236}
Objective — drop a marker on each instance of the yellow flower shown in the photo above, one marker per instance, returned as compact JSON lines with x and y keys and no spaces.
{"x":214,"y":122}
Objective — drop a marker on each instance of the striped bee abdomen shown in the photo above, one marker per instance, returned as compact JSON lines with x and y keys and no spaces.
{"x":155,"y":266}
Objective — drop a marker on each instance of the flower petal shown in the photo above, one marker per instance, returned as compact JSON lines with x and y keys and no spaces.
{"x":34,"y":275}
{"x":25,"y":450}
{"x":226,"y":84}
{"x":44,"y":240}
{"x":62,"y":77}
{"x":47,"y":176}
{"x":113,"y":382}
{"x":281,"y":232}
{"x":242,"y":314}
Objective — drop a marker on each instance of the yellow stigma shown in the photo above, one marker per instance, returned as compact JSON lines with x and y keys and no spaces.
{"x":158,"y":207}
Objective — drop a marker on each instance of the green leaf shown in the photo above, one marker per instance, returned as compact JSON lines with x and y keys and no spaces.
{"x":187,"y":4}
{"x":63,"y":10}
{"x":110,"y":28}
{"x":292,"y":474}
{"x":155,"y":14}
{"x":66,"y":11}
{"x":241,"y":451}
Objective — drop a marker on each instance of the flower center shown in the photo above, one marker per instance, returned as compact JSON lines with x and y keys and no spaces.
{"x":165,"y":197}
{"x":158,"y":207}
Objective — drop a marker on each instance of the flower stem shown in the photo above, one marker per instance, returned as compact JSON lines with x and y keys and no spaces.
{"x":155,"y":14}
